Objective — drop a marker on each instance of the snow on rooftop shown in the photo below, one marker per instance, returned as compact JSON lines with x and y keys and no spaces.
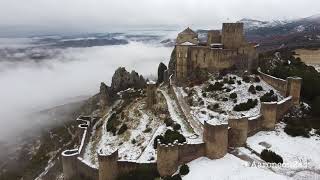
{"x":151,"y":82}
{"x":187,"y":43}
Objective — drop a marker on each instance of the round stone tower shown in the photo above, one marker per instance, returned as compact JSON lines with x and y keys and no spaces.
{"x":269,"y":113}
{"x":237,"y":134}
{"x":167,"y":158}
{"x":216,"y":140}
{"x":151,"y":94}
{"x":69,"y":164}
{"x":108,"y":166}
{"x":294,"y":88}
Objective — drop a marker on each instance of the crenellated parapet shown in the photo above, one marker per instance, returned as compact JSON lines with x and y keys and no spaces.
{"x":167,"y":158}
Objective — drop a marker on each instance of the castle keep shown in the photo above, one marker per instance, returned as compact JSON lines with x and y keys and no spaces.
{"x":223,"y":50}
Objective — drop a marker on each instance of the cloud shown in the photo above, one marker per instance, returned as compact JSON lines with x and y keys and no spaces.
{"x":28,"y":86}
{"x":102,"y":15}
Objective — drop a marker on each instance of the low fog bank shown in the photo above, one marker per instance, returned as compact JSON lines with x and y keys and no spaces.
{"x":30,"y":86}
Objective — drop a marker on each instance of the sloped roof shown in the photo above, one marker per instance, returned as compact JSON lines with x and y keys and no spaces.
{"x":188,"y":31}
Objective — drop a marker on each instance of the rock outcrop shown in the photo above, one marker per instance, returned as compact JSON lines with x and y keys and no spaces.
{"x":161,"y":71}
{"x":122,"y":80}
{"x":105,"y":99}
{"x":172,"y":63}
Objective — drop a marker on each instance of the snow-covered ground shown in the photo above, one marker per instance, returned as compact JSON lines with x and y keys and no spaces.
{"x":133,"y":142}
{"x":225,"y":110}
{"x":301,"y":154}
{"x":228,"y":168}
{"x":176,"y":116}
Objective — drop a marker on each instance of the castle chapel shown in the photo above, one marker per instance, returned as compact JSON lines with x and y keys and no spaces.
{"x":223,"y":50}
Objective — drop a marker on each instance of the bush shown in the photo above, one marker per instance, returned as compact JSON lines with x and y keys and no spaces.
{"x":259,"y":88}
{"x":231,"y":81}
{"x":217,"y":86}
{"x":170,"y":136}
{"x":269,"y":97}
{"x":184,"y":170}
{"x":168,"y":122}
{"x":112,"y":124}
{"x":177,"y":127}
{"x":133,"y":141}
{"x":252,"y":89}
{"x":233,"y":95}
{"x":246,"y":79}
{"x":228,"y":90}
{"x":297,"y":127}
{"x":256,"y":79}
{"x":246,"y":106}
{"x":239,"y":82}
{"x":122,"y":129}
{"x":270,"y":156}
{"x":213,"y":107}
{"x":204,"y":94}
{"x":147,"y":130}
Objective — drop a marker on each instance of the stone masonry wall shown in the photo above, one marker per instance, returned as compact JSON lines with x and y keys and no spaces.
{"x":277,"y":83}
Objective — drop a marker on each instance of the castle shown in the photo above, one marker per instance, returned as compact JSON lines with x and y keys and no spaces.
{"x":224,"y":50}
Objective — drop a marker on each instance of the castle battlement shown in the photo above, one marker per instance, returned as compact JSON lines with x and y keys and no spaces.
{"x":223,"y":50}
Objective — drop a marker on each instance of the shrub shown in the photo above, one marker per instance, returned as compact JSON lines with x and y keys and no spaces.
{"x":246,"y":106}
{"x":168,"y":122}
{"x":252,"y":89}
{"x":170,"y":136}
{"x":269,"y":97}
{"x":270,"y":156}
{"x":112,"y":124}
{"x":213,"y":107}
{"x":318,"y":132}
{"x":297,"y":127}
{"x":122,"y":129}
{"x":239,"y":82}
{"x":147,"y":130}
{"x":217,"y":86}
{"x":228,"y":90}
{"x":231,"y":81}
{"x":225,"y":80}
{"x":259,"y":88}
{"x":233,"y":95}
{"x":133,"y":141}
{"x":246,"y":79}
{"x":184,"y":170}
{"x":177,"y":127}
{"x":204,"y":94}
{"x":224,"y":99}
{"x":201,"y":102}
{"x":256,"y":79}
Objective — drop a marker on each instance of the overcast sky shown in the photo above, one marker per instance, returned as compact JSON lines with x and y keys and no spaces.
{"x":101,"y":15}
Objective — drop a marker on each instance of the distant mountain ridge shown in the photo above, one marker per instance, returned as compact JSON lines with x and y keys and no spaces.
{"x":278,"y":34}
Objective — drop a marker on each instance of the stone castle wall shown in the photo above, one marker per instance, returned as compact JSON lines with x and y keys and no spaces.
{"x":254,"y":125}
{"x":216,"y":141}
{"x":185,"y":109}
{"x":73,"y":165}
{"x":211,"y":59}
{"x":289,"y":87}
